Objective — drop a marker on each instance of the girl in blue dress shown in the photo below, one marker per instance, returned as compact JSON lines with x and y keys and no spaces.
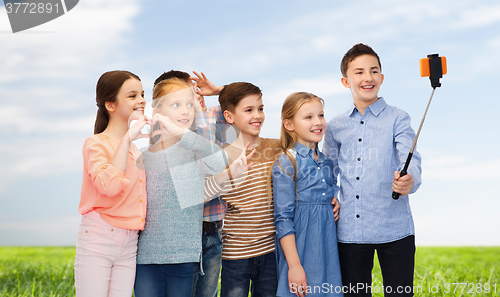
{"x":305,"y":206}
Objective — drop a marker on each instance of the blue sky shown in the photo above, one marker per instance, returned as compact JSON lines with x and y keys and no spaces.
{"x":48,"y":76}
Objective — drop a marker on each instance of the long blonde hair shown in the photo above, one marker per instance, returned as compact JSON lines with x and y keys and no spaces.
{"x":288,"y":138}
{"x":168,"y":86}
{"x":161,"y":89}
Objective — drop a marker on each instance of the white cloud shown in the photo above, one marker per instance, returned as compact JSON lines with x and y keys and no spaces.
{"x":476,"y":15}
{"x":35,"y":157}
{"x":324,"y":86}
{"x":329,"y":32}
{"x":45,"y":121}
{"x":64,"y":47}
{"x":459,"y":168}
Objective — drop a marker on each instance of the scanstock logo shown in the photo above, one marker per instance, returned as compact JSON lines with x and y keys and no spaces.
{"x":26,"y":14}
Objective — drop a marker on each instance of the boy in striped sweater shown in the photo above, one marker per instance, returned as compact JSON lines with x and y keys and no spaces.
{"x":248,"y":232}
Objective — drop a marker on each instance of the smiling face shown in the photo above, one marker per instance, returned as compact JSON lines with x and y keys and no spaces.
{"x":308,"y":123}
{"x":248,"y":115}
{"x":130,"y":102}
{"x":363,"y":77}
{"x":178,"y":106}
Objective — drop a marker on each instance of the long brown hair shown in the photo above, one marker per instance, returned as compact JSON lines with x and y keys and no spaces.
{"x":107,"y":88}
{"x":288,"y":138}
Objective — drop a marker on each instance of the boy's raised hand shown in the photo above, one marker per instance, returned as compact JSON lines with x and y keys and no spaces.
{"x":206,"y":87}
{"x":240,"y":165}
{"x":402,"y":185}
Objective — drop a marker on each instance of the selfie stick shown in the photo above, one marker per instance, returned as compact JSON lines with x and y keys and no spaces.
{"x":434,"y":67}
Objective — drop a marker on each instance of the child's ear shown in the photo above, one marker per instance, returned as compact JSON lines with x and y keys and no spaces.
{"x":288,"y":125}
{"x":228,"y":116}
{"x":382,"y":78}
{"x":346,"y":83}
{"x":110,"y":106}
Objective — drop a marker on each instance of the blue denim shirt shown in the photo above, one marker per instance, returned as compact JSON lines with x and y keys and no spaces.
{"x":366,"y":150}
{"x":308,"y":214}
{"x":315,"y":185}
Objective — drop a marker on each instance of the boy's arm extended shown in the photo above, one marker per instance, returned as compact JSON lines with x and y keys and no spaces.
{"x":223,"y":182}
{"x":206,"y":87}
{"x":403,"y":138}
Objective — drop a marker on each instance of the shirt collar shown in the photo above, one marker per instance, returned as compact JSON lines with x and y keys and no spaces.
{"x":304,"y":151}
{"x":376,"y":107}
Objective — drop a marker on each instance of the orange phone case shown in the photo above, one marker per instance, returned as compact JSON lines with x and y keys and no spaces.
{"x":425,"y":70}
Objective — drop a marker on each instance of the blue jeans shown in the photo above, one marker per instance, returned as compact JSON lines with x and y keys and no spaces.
{"x":261,"y":270}
{"x":397,"y":262}
{"x":163,"y":280}
{"x":207,"y":285}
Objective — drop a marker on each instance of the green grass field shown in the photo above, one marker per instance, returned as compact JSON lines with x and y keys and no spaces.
{"x":440,"y":271}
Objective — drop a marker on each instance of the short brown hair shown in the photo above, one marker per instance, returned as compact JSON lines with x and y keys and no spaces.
{"x":184,"y":76}
{"x":232,"y":94}
{"x":356,"y":51}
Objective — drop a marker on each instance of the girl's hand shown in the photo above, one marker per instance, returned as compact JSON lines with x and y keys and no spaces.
{"x":297,"y":280}
{"x":134,"y":132}
{"x":168,"y":128}
{"x":336,"y":208}
{"x":240,"y":165}
{"x":206,"y":87}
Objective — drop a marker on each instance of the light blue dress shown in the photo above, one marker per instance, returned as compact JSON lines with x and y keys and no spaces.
{"x":308,"y":215}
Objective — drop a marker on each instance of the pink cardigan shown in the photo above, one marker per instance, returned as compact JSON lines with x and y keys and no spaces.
{"x":119,"y":197}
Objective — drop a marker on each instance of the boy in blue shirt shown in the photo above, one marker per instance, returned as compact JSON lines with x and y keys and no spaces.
{"x":368,"y":146}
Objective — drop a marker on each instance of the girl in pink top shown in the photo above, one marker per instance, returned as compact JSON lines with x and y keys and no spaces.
{"x":113,"y":199}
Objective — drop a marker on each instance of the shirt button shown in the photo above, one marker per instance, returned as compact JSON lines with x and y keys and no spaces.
{"x":359,"y":159}
{"x":357,"y":216}
{"x":140,"y":201}
{"x":357,"y":196}
{"x":362,"y":122}
{"x":319,"y":168}
{"x":323,"y":180}
{"x":324,"y":194}
{"x":140,"y":180}
{"x":360,"y":140}
{"x":143,"y":220}
{"x":357,"y":177}
{"x":138,"y":161}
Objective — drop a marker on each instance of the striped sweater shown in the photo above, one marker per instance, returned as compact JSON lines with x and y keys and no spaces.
{"x":249,"y":223}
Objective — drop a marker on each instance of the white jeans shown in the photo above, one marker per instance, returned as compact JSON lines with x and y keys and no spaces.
{"x":105,"y":259}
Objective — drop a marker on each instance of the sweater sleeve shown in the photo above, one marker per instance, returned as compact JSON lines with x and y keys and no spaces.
{"x":211,"y":158}
{"x":106,"y":178}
